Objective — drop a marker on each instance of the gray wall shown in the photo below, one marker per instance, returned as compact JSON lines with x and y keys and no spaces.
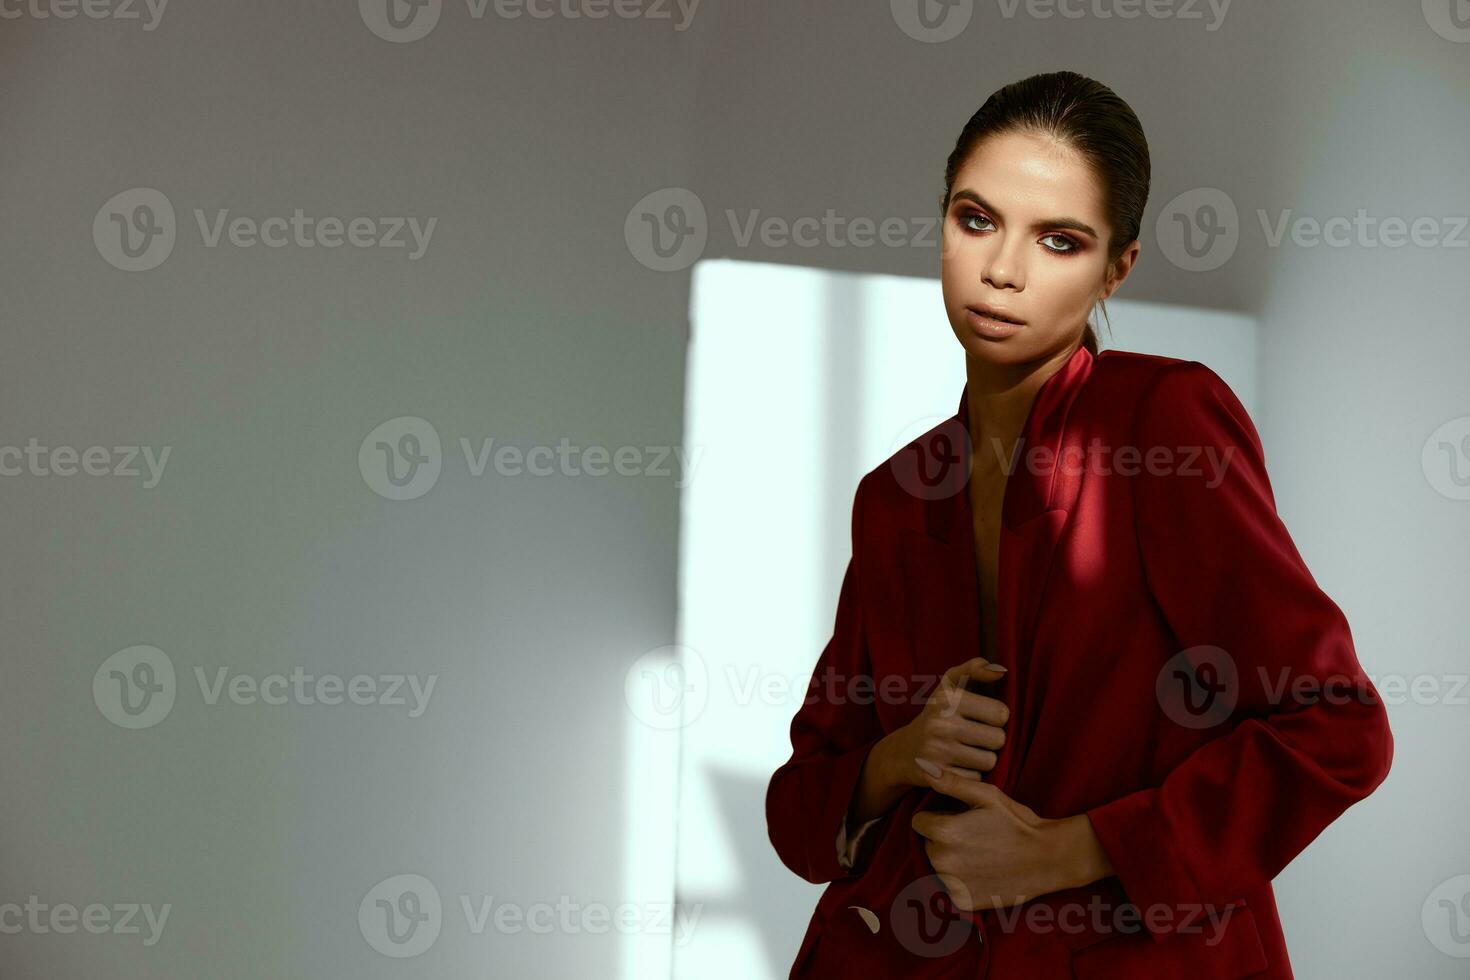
{"x":529,"y":319}
{"x":1364,"y":353}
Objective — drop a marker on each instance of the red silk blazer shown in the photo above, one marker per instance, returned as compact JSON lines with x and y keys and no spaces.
{"x":1175,"y":673}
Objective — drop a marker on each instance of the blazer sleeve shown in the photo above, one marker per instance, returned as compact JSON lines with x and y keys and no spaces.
{"x":1225,"y":573}
{"x":808,"y":796}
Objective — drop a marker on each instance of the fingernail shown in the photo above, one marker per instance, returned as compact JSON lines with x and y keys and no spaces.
{"x":928,"y":767}
{"x":997,"y":667}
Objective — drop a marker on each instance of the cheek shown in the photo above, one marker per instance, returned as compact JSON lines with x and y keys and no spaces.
{"x":1069,"y":287}
{"x":961,"y":261}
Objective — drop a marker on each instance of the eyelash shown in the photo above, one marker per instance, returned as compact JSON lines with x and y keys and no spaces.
{"x":964,"y":220}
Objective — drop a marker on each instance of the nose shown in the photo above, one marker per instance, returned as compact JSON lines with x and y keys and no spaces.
{"x":1003,"y":266}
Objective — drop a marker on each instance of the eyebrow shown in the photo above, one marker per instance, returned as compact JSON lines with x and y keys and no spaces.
{"x":1071,"y":223}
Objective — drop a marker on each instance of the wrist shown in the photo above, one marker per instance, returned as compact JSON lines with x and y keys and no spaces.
{"x":1079,"y":855}
{"x":880,"y":770}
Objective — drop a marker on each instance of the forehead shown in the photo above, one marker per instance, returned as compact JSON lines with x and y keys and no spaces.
{"x":1027,"y":173}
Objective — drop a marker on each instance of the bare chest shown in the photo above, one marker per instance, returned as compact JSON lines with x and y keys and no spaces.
{"x":986,"y":495}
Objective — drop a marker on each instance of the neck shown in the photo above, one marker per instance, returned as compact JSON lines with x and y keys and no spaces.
{"x":998,"y":399}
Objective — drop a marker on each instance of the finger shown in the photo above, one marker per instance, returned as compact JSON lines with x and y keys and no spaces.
{"x":976,"y":668}
{"x":982,"y":670}
{"x":981,"y":735}
{"x":977,"y":707}
{"x":926,"y":824}
{"x":964,"y":758}
{"x":976,"y":793}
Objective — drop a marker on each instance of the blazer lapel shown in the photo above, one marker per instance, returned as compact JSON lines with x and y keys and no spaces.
{"x":942,"y":581}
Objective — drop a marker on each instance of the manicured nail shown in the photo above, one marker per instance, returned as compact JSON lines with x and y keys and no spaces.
{"x":997,"y":667}
{"x":928,"y":767}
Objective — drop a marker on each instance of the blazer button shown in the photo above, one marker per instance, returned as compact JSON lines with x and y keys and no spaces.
{"x":870,"y":918}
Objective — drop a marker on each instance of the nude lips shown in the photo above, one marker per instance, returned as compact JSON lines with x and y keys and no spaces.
{"x":990,"y":327}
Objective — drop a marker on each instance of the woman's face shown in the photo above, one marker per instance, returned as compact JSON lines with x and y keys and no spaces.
{"x":1026,"y":234}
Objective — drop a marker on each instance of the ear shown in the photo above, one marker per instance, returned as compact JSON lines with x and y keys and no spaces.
{"x":1119,"y":269}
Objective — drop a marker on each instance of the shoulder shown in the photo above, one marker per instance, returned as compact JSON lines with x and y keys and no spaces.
{"x":1182,"y":409}
{"x":1131,"y":372}
{"x":929,"y":466}
{"x":1168,"y":391}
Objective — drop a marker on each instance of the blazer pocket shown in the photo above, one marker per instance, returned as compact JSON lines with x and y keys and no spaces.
{"x":1204,"y":955}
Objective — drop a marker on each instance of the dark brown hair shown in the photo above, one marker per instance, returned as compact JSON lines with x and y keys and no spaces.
{"x":1086,"y":116}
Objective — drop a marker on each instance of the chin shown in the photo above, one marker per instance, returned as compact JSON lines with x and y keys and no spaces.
{"x":1015,"y":349}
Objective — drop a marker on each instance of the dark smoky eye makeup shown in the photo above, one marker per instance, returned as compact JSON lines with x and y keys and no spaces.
{"x":1063,"y":244}
{"x":1071,"y":244}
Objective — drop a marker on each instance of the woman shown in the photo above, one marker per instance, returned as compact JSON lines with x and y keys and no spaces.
{"x":1083,"y":699}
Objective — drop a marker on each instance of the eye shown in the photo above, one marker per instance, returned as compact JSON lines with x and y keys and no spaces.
{"x":966,"y":219}
{"x":1068,"y":244}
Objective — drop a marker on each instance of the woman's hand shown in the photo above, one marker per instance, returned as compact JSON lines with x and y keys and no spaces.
{"x":999,"y":852}
{"x":957,"y":728}
{"x":954,"y":728}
